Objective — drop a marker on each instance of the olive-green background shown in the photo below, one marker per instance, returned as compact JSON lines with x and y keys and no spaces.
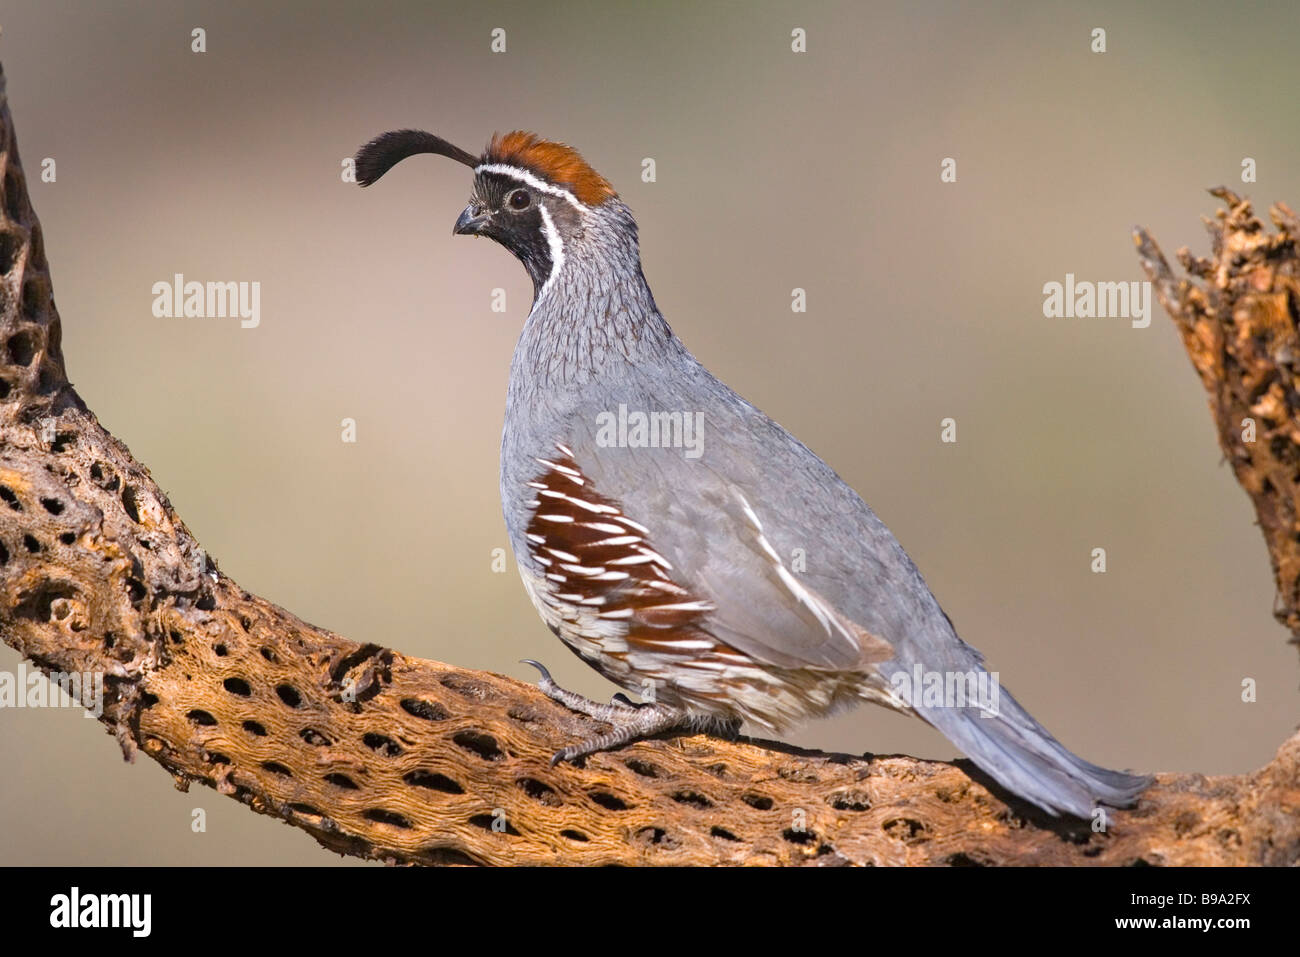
{"x":775,"y":170}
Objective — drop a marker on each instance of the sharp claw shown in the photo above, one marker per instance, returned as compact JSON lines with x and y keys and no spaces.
{"x":546,"y":675}
{"x":623,"y":699}
{"x":557,"y":757}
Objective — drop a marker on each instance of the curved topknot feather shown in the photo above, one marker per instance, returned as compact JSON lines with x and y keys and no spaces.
{"x":387,"y":150}
{"x":557,"y":163}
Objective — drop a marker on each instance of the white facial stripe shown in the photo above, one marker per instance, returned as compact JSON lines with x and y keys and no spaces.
{"x":529,"y":179}
{"x":557,"y":251}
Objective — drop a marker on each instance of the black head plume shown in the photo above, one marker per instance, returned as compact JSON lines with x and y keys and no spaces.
{"x":387,"y":150}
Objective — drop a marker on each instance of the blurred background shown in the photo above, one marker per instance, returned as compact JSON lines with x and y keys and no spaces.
{"x":775,"y":170}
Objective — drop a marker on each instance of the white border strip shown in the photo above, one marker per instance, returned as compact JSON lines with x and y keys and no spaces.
{"x":557,"y":252}
{"x":528,"y":178}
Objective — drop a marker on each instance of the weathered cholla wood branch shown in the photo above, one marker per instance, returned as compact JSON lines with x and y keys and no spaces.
{"x":383,"y":756}
{"x":1240,"y":330}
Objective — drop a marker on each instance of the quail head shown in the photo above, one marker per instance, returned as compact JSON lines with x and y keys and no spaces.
{"x":655,"y":514}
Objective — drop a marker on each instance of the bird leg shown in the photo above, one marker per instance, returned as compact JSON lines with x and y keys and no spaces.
{"x":619,"y":706}
{"x":631,"y":721}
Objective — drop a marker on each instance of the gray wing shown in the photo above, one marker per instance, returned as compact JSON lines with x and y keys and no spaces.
{"x":799,"y":570}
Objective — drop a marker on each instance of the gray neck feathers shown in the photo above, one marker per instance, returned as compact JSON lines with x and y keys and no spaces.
{"x":597,"y":312}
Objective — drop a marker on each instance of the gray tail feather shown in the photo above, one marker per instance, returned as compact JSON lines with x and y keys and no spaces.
{"x":1024,"y":758}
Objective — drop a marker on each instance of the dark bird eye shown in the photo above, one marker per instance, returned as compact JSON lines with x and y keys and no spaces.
{"x":520,"y":199}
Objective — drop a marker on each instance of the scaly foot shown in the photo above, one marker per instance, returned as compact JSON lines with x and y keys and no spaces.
{"x":631,"y":721}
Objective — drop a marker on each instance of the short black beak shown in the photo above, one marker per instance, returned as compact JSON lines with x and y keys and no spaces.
{"x":471,"y":221}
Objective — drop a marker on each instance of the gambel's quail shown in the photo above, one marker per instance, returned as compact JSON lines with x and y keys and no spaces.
{"x":681,"y":542}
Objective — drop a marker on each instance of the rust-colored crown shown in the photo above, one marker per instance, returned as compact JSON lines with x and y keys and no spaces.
{"x":554,"y":162}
